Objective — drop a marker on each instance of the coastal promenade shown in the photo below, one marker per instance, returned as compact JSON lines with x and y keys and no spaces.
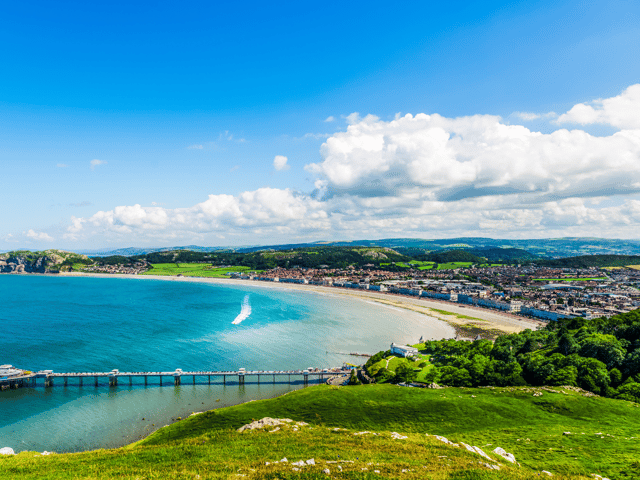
{"x":48,"y":378}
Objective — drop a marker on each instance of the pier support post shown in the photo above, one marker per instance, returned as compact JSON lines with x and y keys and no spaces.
{"x":113,"y":381}
{"x":96,"y":380}
{"x":209,"y":379}
{"x":66,"y":381}
{"x":224,"y":379}
{"x":306,"y":379}
{"x":258,"y":379}
{"x":145,"y":380}
{"x":274,"y":378}
{"x":241,"y":378}
{"x":80,"y":381}
{"x":194,"y":379}
{"x":176,"y":380}
{"x":130,"y":382}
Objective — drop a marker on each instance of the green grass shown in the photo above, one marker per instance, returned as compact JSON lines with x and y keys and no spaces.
{"x":457,"y":315}
{"x":193,"y":270}
{"x":531,"y":427}
{"x":454,"y":265}
{"x":395,"y":362}
{"x":567,"y":279}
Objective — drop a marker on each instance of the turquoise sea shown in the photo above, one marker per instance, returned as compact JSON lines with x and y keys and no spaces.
{"x":88,"y":324}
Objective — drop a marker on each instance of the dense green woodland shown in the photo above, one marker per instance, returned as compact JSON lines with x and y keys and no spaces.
{"x":586,"y":261}
{"x":600,"y":355}
{"x":331,"y":257}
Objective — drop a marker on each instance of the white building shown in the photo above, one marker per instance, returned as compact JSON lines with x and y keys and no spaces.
{"x":403,"y":350}
{"x":7,"y":371}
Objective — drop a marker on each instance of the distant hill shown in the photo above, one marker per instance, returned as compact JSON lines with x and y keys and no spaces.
{"x":452,"y":256}
{"x":586,"y":261}
{"x":507,"y":255}
{"x":545,"y":247}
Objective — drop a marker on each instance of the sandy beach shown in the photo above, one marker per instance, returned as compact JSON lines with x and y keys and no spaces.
{"x":468,"y":321}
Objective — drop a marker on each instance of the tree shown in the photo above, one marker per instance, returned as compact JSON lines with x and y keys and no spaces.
{"x":565,"y":376}
{"x":615,"y":376}
{"x":567,"y":344}
{"x":593,"y":375}
{"x":455,"y":377}
{"x":405,"y":374}
{"x":605,"y":348}
{"x":629,"y":391}
{"x":477,"y":368}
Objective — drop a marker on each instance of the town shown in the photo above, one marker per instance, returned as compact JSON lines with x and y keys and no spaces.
{"x":531,"y":291}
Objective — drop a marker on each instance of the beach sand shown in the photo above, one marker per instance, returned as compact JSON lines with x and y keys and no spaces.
{"x":468,"y":321}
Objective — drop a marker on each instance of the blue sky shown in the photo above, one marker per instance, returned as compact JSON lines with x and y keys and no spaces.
{"x":140,"y":123}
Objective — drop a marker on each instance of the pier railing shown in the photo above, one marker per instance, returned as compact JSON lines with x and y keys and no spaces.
{"x":50,"y":378}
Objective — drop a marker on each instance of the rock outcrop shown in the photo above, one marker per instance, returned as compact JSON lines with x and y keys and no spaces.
{"x":35,"y":262}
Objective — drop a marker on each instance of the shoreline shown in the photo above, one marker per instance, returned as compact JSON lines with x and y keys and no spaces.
{"x":466,"y":320}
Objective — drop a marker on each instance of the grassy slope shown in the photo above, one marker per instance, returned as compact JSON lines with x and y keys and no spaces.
{"x":530,"y":427}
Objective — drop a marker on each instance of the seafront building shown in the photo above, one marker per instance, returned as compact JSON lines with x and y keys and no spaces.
{"x":403,"y":350}
{"x":11,"y":377}
{"x":542,"y":293}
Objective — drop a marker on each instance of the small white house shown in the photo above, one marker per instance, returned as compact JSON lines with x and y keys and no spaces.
{"x":403,"y":350}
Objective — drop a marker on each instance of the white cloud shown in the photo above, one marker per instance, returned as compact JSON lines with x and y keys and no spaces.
{"x":620,"y":111}
{"x":263,"y":210}
{"x":96,"y":163}
{"x":330,"y":118}
{"x":316,"y":136}
{"x":39,"y":235}
{"x":530,"y":116}
{"x":280,"y":163}
{"x":438,"y":158}
{"x":422,"y":175}
{"x":62,"y":165}
{"x":195,"y":147}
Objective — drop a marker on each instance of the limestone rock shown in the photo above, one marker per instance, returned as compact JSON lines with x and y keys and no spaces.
{"x":509,"y":457}
{"x":477,"y":450}
{"x":270,"y":422}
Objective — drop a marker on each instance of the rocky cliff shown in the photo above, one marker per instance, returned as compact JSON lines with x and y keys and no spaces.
{"x":49,"y":261}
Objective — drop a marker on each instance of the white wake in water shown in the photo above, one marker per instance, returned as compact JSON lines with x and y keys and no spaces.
{"x":245,"y":311}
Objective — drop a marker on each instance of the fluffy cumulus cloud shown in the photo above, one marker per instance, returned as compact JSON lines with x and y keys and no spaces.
{"x":429,"y":157}
{"x":263,"y":211}
{"x":39,"y":236}
{"x":280,"y":162}
{"x":620,"y":111}
{"x":427,"y":175}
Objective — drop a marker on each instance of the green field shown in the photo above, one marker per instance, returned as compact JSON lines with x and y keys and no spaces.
{"x":567,"y":279}
{"x":528,"y":422}
{"x":454,"y":265}
{"x":193,"y":270}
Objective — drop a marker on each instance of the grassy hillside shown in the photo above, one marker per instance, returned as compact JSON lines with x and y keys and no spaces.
{"x":528,"y":422}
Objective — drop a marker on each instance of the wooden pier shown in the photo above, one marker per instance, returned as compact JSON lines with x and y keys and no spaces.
{"x":48,"y":378}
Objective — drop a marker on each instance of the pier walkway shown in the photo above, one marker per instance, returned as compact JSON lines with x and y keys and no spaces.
{"x":176,"y":377}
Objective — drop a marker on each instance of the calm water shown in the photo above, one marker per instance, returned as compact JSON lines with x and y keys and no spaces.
{"x":97,"y":324}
